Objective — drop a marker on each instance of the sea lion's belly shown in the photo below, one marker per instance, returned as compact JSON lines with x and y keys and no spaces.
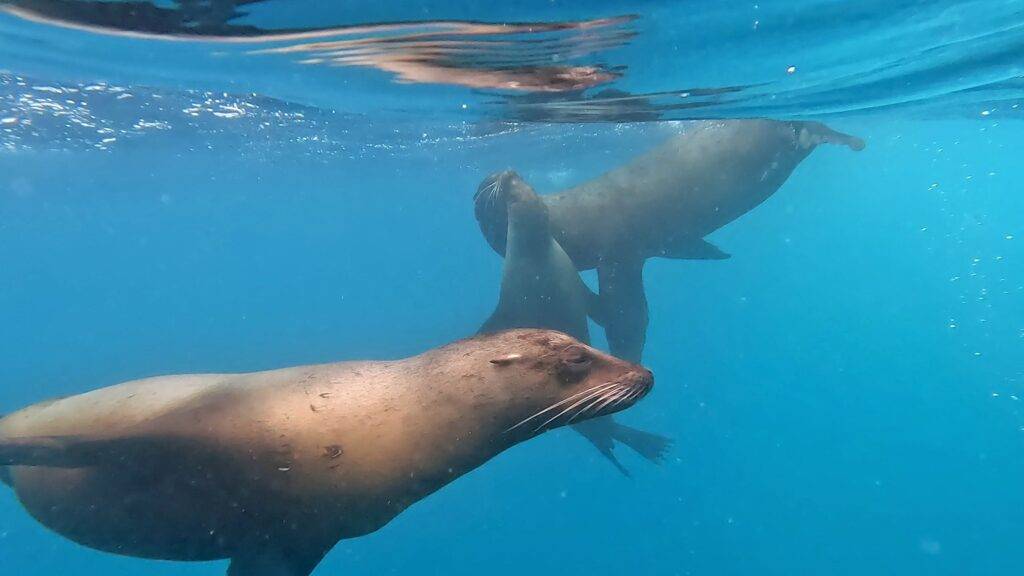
{"x":161,"y":517}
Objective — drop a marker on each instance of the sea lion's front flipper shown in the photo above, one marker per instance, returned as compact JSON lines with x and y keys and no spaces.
{"x":622,"y":307}
{"x":694,"y":249}
{"x":265,"y":559}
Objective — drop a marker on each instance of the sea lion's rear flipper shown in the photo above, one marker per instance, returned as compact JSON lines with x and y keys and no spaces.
{"x":653,"y":447}
{"x":693,"y":249}
{"x":599,"y":433}
{"x":811,"y":134}
{"x":622,"y":308}
{"x":264,"y":559}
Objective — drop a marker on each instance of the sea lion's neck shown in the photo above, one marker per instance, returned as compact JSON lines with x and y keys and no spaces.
{"x":527,"y":228}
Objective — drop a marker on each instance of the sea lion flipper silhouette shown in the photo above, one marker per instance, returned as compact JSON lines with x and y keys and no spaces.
{"x":272,"y":561}
{"x":653,"y":447}
{"x":600,"y":434}
{"x":622,"y":307}
{"x":811,"y":134}
{"x":688,"y":248}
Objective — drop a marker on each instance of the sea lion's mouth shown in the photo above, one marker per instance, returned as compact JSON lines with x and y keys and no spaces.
{"x":599,"y":400}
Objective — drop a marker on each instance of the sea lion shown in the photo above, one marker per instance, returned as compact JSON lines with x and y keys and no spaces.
{"x":271,"y":469}
{"x":540,"y":288}
{"x":663,"y":204}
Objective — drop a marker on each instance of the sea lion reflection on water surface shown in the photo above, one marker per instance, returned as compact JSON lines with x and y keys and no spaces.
{"x":271,"y":469}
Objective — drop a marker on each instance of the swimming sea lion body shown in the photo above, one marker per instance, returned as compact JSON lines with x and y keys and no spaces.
{"x":272,"y":468}
{"x":663,"y":204}
{"x":540,"y":288}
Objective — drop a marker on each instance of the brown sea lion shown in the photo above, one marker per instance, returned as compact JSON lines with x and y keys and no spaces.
{"x":540,"y":288}
{"x":271,"y":469}
{"x":662,"y":204}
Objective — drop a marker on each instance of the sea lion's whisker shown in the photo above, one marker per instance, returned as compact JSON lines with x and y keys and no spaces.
{"x":563,"y":412}
{"x":587,"y":406}
{"x":639,"y":391}
{"x":557,"y":404}
{"x":614,"y":399}
{"x":605,"y":397}
{"x":491,"y":193}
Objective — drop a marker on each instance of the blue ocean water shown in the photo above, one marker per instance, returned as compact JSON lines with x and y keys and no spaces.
{"x":843,"y":391}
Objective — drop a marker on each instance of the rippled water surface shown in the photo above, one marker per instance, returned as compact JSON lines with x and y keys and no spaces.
{"x":236,"y":186}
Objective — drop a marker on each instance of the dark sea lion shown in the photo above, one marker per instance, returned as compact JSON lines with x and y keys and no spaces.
{"x":663,"y":204}
{"x":540,"y":288}
{"x":271,"y":469}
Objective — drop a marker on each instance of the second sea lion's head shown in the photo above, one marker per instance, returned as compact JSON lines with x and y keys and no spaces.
{"x":548,"y":379}
{"x":500,"y":193}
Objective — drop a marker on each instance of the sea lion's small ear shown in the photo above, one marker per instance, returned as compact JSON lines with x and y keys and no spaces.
{"x":505,"y":360}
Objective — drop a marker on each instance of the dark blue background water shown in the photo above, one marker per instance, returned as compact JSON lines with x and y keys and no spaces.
{"x":843,"y":391}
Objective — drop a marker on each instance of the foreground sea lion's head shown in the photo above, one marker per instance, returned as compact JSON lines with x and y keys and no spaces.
{"x":546,"y":379}
{"x":501,"y":194}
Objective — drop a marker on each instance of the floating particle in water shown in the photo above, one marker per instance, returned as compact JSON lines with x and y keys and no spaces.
{"x":986,"y":112}
{"x":930,"y":547}
{"x":791,"y":70}
{"x":1008,"y":237}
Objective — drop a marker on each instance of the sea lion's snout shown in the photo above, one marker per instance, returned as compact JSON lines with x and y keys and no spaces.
{"x":636,"y":384}
{"x":497,"y":194}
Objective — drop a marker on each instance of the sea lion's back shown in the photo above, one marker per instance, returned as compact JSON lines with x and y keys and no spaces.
{"x":108,"y":409}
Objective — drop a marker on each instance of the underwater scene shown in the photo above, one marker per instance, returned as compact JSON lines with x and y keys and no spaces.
{"x":292,"y":287}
